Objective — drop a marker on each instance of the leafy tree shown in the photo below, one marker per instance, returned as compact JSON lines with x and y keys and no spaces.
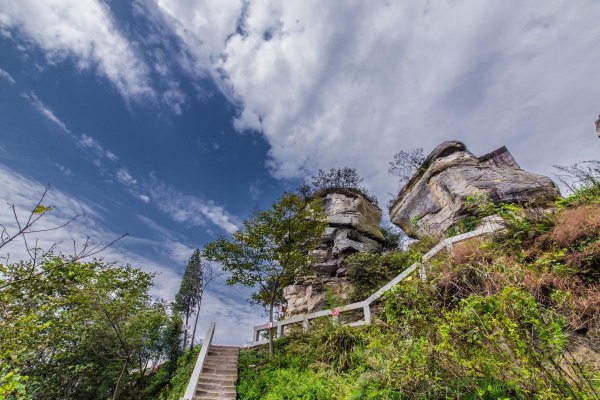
{"x":405,"y":163}
{"x":271,"y":251}
{"x":84,"y":330}
{"x":186,"y":300}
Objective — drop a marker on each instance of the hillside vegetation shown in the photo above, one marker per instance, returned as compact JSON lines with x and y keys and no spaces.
{"x":512,"y":316}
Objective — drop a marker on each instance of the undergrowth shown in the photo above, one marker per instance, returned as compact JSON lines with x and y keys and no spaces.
{"x":514,"y":316}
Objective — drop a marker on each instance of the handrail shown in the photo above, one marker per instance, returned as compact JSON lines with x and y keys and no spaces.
{"x":489,"y":225}
{"x":193,"y":383}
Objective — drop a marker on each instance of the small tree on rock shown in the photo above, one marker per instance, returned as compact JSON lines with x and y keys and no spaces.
{"x":336,"y":178}
{"x":405,"y":163}
{"x":271,"y":251}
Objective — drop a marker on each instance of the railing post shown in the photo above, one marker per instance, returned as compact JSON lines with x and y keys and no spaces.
{"x":305,"y":324}
{"x":256,"y":334}
{"x":279,"y":330}
{"x":422,"y":273}
{"x":367,"y":311}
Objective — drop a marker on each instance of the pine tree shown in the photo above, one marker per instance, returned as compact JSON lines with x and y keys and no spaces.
{"x":190,"y":290}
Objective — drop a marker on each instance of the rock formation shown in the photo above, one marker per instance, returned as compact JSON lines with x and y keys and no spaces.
{"x":353,"y":226}
{"x":598,"y":126}
{"x":434,"y":199}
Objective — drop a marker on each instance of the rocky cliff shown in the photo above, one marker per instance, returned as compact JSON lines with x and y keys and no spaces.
{"x":434,"y":199}
{"x":353,"y":226}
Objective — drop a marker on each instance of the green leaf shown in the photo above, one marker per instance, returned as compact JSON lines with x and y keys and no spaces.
{"x":41,"y":209}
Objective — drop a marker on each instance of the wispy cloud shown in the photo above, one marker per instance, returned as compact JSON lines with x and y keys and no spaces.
{"x":45,"y":111}
{"x":190,"y":209}
{"x":125,"y":177}
{"x":7,"y":77}
{"x":85,"y":30}
{"x":66,"y":171}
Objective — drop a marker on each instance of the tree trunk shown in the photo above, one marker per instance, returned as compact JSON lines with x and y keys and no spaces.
{"x":119,"y":380}
{"x":196,"y":323}
{"x":271,"y":345}
{"x":185,"y":332}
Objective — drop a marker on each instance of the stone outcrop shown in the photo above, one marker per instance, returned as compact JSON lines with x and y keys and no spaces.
{"x":434,"y":199}
{"x":353,"y":227}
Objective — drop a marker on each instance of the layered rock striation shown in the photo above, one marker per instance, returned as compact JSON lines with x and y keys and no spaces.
{"x":354,"y":222}
{"x":434,"y":199}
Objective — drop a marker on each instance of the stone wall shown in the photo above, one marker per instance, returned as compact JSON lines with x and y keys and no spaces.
{"x":353,"y":227}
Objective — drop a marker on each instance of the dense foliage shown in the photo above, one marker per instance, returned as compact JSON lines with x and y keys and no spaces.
{"x":85,"y":330}
{"x":513,"y":316}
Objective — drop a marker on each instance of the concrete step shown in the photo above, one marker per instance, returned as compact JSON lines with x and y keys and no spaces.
{"x":222,"y":360}
{"x":218,"y":379}
{"x":215,"y":387}
{"x":220,"y":366}
{"x":222,"y":373}
{"x":213,"y":346}
{"x":215,"y":397}
{"x":226,"y":391}
{"x":212,"y":375}
{"x":213,"y":354}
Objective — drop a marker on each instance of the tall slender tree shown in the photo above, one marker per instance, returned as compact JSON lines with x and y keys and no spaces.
{"x":272,"y":249}
{"x":190,"y":293}
{"x":208,"y":274}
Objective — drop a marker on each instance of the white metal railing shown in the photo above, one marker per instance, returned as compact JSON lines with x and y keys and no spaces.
{"x":491,"y":224}
{"x":190,"y":391}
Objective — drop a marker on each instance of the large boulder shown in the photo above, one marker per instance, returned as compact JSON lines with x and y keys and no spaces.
{"x":434,"y":199}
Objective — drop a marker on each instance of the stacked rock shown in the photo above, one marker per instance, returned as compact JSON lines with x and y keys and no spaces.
{"x":354,"y":222}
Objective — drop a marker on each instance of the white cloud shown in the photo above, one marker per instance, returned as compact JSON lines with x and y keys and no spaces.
{"x":125,"y":177}
{"x":111,"y":156}
{"x":45,"y":111}
{"x":90,"y":142}
{"x":204,"y":27}
{"x":7,"y":77}
{"x":190,"y":209}
{"x":66,"y":171}
{"x":351,"y":84}
{"x":255,"y":190}
{"x":174,"y":98}
{"x":144,"y":198}
{"x":83,"y":29}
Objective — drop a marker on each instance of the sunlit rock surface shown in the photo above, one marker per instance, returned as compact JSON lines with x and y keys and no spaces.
{"x":434,"y":199}
{"x":353,"y":227}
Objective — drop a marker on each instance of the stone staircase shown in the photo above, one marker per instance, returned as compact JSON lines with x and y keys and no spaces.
{"x":219,"y":374}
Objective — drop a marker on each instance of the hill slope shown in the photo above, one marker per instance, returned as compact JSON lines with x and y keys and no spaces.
{"x":515,"y":316}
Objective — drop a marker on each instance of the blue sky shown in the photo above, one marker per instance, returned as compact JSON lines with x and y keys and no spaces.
{"x":172,"y":119}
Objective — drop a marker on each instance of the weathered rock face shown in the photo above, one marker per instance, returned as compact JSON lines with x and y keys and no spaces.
{"x":434,"y":199}
{"x":353,"y":227}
